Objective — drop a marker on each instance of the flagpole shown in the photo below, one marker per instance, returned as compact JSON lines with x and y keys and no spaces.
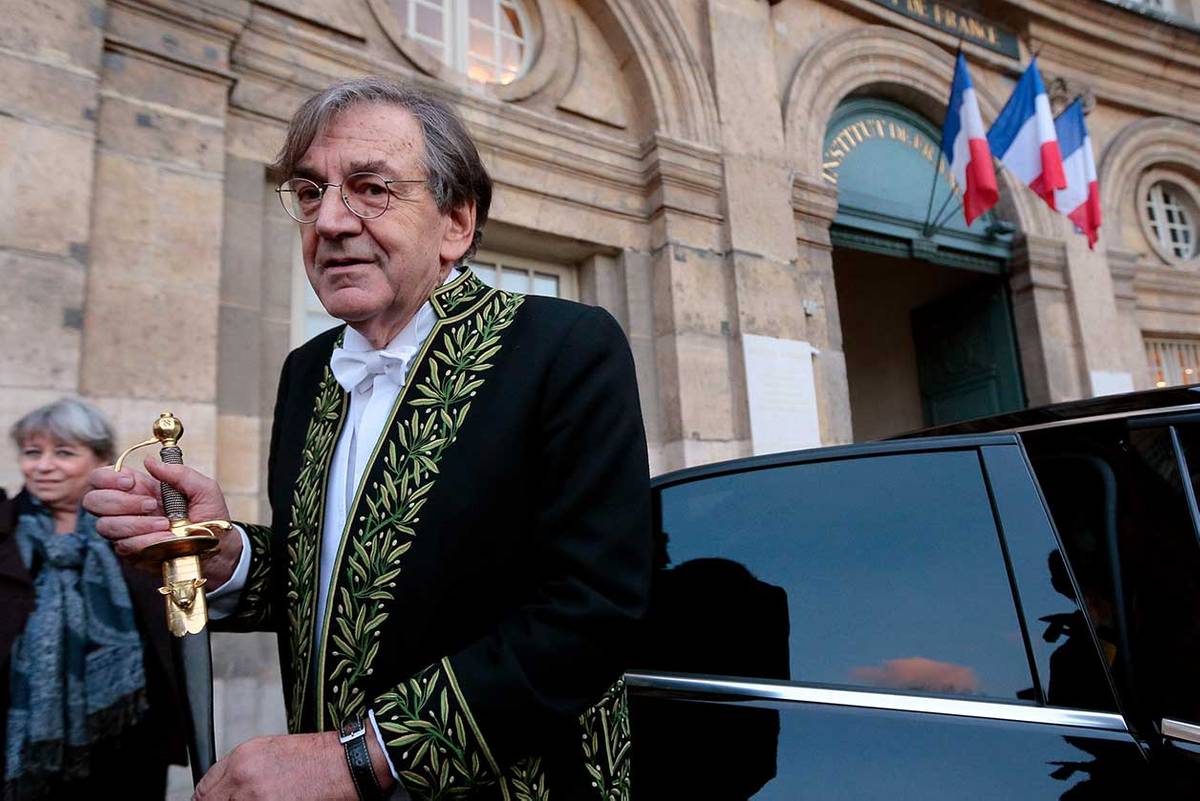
{"x":926,"y":231}
{"x":938,"y":221}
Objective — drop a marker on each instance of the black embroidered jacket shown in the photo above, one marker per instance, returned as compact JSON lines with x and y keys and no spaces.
{"x":496,"y":560}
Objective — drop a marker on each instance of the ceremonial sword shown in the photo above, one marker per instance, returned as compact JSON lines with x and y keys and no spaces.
{"x":183,"y":589}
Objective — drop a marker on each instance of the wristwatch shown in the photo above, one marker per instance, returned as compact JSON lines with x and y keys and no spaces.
{"x":353,"y":734}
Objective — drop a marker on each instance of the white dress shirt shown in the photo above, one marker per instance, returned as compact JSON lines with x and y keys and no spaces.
{"x":371,"y":402}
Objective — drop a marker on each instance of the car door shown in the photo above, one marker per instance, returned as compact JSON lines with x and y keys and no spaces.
{"x":1123,"y":496}
{"x":844,"y":624}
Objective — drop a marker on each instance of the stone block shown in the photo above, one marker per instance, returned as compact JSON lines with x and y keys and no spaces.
{"x":154,"y":132}
{"x":40,"y":334}
{"x":770,"y":297}
{"x":833,"y":397}
{"x":593,"y":93}
{"x":666,"y":360}
{"x":243,"y":506}
{"x":758,"y":198}
{"x":705,"y":387}
{"x":150,"y":341}
{"x":46,"y":205}
{"x":251,"y":136}
{"x":133,"y":418}
{"x":276,"y":344}
{"x":241,"y":253}
{"x":336,"y":16}
{"x":133,"y":76}
{"x":156,"y":226}
{"x":241,"y":708}
{"x":242,"y":655}
{"x":239,"y":378}
{"x":746,"y":90}
{"x":69,"y":32}
{"x":238,"y":456}
{"x":699,"y":294}
{"x":176,"y":36}
{"x":47,"y":93}
{"x":280,"y":261}
{"x":692,"y":452}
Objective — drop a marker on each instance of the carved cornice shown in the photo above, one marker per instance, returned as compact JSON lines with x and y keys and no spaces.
{"x":813,"y":199}
{"x":682,"y":176}
{"x":814,"y":205}
{"x":1039,"y":263}
{"x":1166,"y":281}
{"x":188,"y":36}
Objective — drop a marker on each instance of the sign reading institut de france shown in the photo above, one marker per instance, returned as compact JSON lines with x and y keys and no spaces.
{"x":963,"y":24}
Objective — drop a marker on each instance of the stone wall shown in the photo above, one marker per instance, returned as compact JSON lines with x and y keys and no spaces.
{"x":667,"y":151}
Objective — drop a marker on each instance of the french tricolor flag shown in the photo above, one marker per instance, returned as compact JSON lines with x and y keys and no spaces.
{"x":1080,"y":201}
{"x":1024,"y":139}
{"x":965,"y":145}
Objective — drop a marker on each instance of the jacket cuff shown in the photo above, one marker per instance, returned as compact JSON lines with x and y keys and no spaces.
{"x":431,"y":736}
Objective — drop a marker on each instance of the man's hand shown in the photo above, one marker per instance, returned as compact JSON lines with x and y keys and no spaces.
{"x":295,"y":767}
{"x":131,"y":516}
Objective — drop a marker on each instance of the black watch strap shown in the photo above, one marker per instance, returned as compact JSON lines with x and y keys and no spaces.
{"x":353,"y":735}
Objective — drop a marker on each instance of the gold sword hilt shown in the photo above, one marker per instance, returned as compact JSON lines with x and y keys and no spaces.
{"x":183,"y":580}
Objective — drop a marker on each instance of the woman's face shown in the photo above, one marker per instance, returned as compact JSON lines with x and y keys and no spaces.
{"x":56,"y":473}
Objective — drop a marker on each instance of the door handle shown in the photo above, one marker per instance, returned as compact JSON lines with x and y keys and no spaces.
{"x":1178,"y":730}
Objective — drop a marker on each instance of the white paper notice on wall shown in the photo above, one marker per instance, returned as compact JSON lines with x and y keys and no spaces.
{"x":782,"y":394}
{"x":1106,"y":383}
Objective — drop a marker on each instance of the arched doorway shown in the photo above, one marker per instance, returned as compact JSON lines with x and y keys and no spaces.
{"x":926,"y":320}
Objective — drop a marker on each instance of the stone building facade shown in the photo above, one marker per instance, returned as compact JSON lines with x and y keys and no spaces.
{"x":716,"y":173}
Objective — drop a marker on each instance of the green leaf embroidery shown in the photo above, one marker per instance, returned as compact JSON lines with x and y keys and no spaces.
{"x":380,"y":537}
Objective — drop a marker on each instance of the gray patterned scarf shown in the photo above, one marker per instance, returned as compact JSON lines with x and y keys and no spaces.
{"x":77,"y":676}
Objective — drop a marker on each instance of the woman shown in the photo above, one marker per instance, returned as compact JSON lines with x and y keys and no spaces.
{"x":86,"y":690}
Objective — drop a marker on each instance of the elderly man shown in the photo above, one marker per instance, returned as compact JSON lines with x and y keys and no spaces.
{"x":460,"y":542}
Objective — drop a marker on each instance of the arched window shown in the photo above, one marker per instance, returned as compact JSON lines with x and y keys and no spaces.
{"x":488,"y":40}
{"x":1172,"y":216}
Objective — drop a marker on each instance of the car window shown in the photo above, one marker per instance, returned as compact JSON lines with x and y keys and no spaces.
{"x":1122,"y":512}
{"x":1070,"y":665}
{"x":883,"y":572}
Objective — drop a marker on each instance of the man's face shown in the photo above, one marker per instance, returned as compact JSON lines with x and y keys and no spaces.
{"x":376,"y":273}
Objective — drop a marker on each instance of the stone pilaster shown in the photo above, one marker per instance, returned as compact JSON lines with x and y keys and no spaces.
{"x":1107,"y":363}
{"x":151,"y":313}
{"x":1043,"y":314}
{"x":50,"y":56}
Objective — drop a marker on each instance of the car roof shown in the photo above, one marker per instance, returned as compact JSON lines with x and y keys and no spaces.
{"x":830,"y":453}
{"x":994,"y":430}
{"x":1130,"y":404}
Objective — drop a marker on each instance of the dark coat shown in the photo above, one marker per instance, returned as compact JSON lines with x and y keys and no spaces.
{"x":17,"y":601}
{"x":498,"y":557}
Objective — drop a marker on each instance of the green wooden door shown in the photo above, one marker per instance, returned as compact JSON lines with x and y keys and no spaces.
{"x":967,"y":361}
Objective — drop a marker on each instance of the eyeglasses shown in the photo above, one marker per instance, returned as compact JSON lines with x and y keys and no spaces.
{"x":366,"y":194}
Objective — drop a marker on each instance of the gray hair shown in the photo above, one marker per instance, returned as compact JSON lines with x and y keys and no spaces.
{"x":68,"y":420}
{"x":454,"y":172}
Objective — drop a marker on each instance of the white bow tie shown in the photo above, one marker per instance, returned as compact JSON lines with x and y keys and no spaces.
{"x":356,"y":369}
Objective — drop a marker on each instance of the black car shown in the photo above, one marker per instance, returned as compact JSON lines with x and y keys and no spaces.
{"x":1002,"y":609}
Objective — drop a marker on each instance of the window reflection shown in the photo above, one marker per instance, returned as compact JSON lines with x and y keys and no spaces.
{"x":891,"y":567}
{"x":1133,"y":550}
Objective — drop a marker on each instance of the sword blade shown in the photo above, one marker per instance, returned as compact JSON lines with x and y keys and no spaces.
{"x":192,"y":654}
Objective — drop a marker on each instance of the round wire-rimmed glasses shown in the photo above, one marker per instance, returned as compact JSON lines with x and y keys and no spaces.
{"x":366,"y":194}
